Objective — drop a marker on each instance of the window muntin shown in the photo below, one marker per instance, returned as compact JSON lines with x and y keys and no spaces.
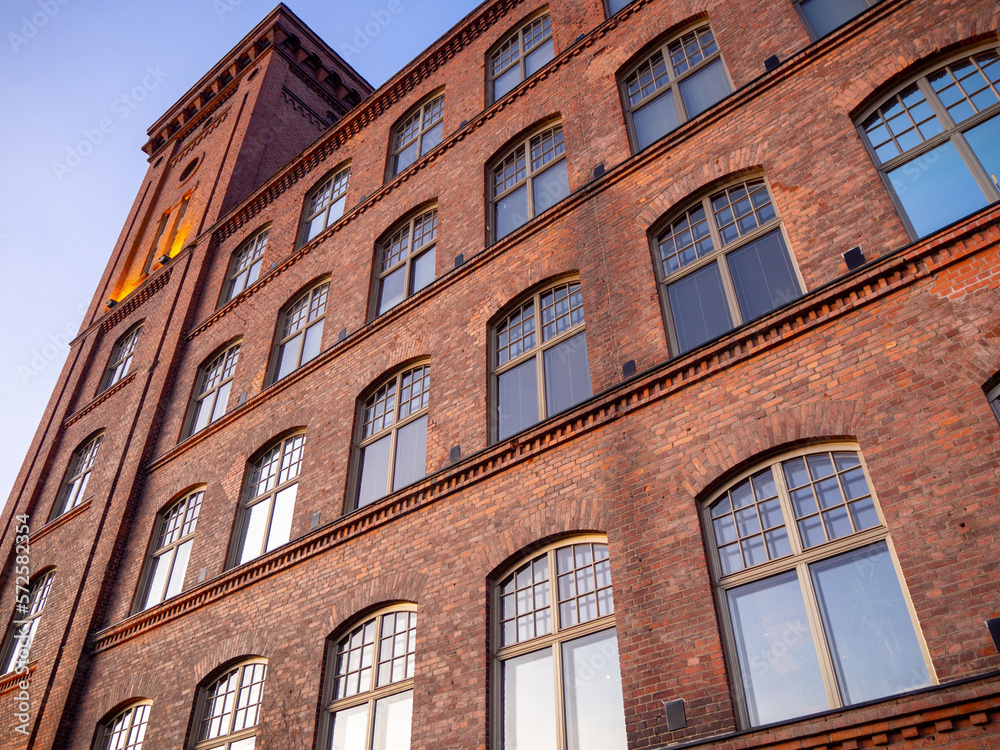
{"x":393,"y":445}
{"x":121,"y":358}
{"x":556,"y":623}
{"x":823,"y":16}
{"x":74,"y":489}
{"x":539,"y":376}
{"x":127,"y":730}
{"x":722,"y":263}
{"x":372,"y":703}
{"x":17,"y":645}
{"x":215,"y":380}
{"x":174,"y":539}
{"x":816,"y":616}
{"x":520,"y":55}
{"x":524,"y":187}
{"x":325,"y":204}
{"x":407,"y":260}
{"x":272,"y":485}
{"x":679,"y":80}
{"x":230,"y":709}
{"x":301,"y":330}
{"x":935,"y":142}
{"x":421,"y":131}
{"x":246,"y":265}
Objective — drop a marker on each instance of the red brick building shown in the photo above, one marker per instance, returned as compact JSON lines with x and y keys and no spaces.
{"x":615,"y":376}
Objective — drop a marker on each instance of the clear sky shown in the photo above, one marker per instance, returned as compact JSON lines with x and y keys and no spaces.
{"x":65,"y":66}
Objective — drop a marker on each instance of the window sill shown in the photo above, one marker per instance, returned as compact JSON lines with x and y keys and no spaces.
{"x":59,"y":522}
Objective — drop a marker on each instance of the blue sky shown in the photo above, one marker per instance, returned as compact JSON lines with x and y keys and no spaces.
{"x":66,"y":65}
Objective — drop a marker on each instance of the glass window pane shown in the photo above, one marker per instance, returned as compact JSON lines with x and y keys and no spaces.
{"x":314,"y":337}
{"x":506,"y":82}
{"x":616,"y":5}
{"x":698,"y":308}
{"x":550,"y":187}
{"x":374,"y":471}
{"x":592,"y":683}
{"x":392,"y":292}
{"x":567,"y":374}
{"x":349,"y":728}
{"x":778,"y":664}
{"x":763,"y":276}
{"x":281,"y":520}
{"x":406,"y":157}
{"x":538,"y":57}
{"x":517,"y":399}
{"x":512,"y":211}
{"x":655,"y":120}
{"x":431,"y":138}
{"x":158,"y":579}
{"x":221,"y":399}
{"x":868,"y":625}
{"x":411,"y":453}
{"x":985,"y":142}
{"x":529,"y":704}
{"x":253,"y":540}
{"x":423,"y":271}
{"x":936,"y":189}
{"x":826,"y":15}
{"x":393,"y":716}
{"x":289,"y":357}
{"x":202,"y":412}
{"x":176,"y":584}
{"x":703,"y":89}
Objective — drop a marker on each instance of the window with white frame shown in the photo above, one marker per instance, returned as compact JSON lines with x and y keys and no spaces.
{"x":406,"y":260}
{"x":529,"y":179}
{"x":722,"y":262}
{"x":936,"y":141}
{"x":679,"y":80}
{"x":126,"y":730}
{"x":815,"y":612}
{"x":520,"y":55}
{"x":74,"y":488}
{"x":121,"y":357}
{"x":245,"y":266}
{"x":174,"y":539}
{"x":325,"y":204}
{"x":24,"y":627}
{"x":556,"y":652}
{"x":371,"y":706}
{"x":418,"y":133}
{"x":229,"y":709}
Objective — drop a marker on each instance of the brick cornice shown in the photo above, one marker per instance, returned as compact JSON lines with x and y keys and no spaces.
{"x":866,"y":286}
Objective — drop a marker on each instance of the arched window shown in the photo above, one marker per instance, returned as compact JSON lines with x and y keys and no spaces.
{"x":121,"y":357}
{"x":269,"y":499}
{"x":722,"y":262}
{"x":211,"y":394}
{"x":556,"y":652}
{"x":126,"y":730}
{"x":169,"y":559}
{"x":371,"y":701}
{"x":392,"y":446}
{"x":815,"y":614}
{"x":229,"y":709}
{"x":679,"y":80}
{"x":24,"y":627}
{"x":245,"y":265}
{"x":416,"y":134}
{"x":406,"y":260}
{"x":539,"y":373}
{"x":521,"y":187}
{"x":936,"y":142}
{"x":520,"y":55}
{"x":74,"y":488}
{"x":301,"y":332}
{"x":325,"y":204}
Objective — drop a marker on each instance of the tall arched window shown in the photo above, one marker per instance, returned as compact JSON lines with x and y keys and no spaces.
{"x":722,"y":262}
{"x":24,"y":627}
{"x":211,"y":395}
{"x":229,"y":709}
{"x":392,"y":446}
{"x":406,"y":260}
{"x":416,"y":134}
{"x":520,"y":55}
{"x":936,"y":141}
{"x":540,"y":363}
{"x":371,"y":700}
{"x":168,"y":562}
{"x":301,"y":331}
{"x":245,"y":265}
{"x":325,"y":204}
{"x":272,"y":483}
{"x":121,"y":357}
{"x":556,"y":652}
{"x":74,"y":488}
{"x":815,"y":613}
{"x":126,"y":730}
{"x":530,"y":178}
